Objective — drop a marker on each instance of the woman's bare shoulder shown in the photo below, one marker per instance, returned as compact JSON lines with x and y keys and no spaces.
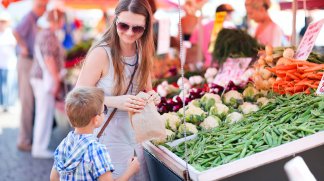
{"x":97,"y":55}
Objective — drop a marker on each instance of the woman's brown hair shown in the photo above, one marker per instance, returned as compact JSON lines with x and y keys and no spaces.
{"x":145,"y":43}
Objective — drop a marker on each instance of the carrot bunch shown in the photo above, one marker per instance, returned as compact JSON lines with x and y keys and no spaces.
{"x":297,"y":76}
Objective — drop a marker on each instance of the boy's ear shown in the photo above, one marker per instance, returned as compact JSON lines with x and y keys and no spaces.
{"x":95,"y":120}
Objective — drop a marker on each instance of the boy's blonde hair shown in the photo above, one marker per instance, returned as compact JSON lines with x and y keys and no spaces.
{"x":82,"y":104}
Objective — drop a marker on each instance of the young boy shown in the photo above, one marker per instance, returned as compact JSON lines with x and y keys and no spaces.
{"x":80,"y":156}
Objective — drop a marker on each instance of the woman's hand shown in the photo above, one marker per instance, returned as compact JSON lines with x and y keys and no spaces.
{"x":131,"y":103}
{"x":154,"y":97}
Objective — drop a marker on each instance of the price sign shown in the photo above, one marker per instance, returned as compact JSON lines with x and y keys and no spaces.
{"x":320,"y":88}
{"x":232,"y":69}
{"x":307,"y":43}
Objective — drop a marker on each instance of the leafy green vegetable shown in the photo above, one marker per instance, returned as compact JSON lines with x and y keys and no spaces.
{"x":234,"y":43}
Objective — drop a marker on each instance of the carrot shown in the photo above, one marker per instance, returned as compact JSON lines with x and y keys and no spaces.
{"x":296,"y":88}
{"x":286,"y":67}
{"x":320,"y":73}
{"x":301,"y":62}
{"x":315,"y":68}
{"x":292,"y":76}
{"x":271,"y":69}
{"x":311,"y":85}
{"x":307,"y":91}
{"x":307,"y":74}
{"x":302,"y":82}
{"x":314,"y":76}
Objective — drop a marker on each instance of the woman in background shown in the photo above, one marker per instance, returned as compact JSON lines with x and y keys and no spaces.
{"x":267,"y":32}
{"x":45,"y":81}
{"x":8,"y":62}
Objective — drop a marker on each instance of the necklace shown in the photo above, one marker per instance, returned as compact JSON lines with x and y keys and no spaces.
{"x":136,"y":62}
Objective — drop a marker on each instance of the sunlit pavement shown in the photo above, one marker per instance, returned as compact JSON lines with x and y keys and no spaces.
{"x":14,"y":164}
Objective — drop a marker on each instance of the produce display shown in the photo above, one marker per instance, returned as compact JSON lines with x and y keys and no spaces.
{"x":297,"y":76}
{"x":273,"y":63}
{"x":211,"y":111}
{"x":274,"y":105}
{"x":285,"y":119}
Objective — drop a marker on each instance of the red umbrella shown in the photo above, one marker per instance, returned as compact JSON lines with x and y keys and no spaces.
{"x":310,"y":4}
{"x":6,"y":3}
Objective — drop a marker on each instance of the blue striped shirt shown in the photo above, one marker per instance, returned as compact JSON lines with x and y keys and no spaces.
{"x":80,"y":157}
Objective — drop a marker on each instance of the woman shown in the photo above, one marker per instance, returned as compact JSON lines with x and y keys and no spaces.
{"x":45,"y":81}
{"x":267,"y":32}
{"x":8,"y":77}
{"x":128,"y":43}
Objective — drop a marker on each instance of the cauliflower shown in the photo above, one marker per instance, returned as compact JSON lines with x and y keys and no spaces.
{"x":179,"y":82}
{"x":165,"y":88}
{"x":172,"y":121}
{"x":250,"y":93}
{"x":210,"y":122}
{"x":170,"y":136}
{"x":247,"y":108}
{"x":233,"y":98}
{"x":190,"y":129}
{"x":219,"y":110}
{"x":209,"y":100}
{"x":193,"y":114}
{"x":210,"y":73}
{"x":262,"y":101}
{"x":234,"y":117}
{"x":195,"y":102}
{"x":195,"y":80}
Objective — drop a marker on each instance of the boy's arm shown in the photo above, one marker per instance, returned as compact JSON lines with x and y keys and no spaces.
{"x":54,"y":175}
{"x":133,"y":168}
{"x":108,"y":176}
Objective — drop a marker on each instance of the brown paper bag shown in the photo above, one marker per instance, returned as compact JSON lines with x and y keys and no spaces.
{"x":148,"y":124}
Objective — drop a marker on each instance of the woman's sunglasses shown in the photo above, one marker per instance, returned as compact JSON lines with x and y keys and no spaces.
{"x":125,"y":27}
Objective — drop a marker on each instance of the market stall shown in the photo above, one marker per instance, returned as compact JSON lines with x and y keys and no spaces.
{"x":245,"y":122}
{"x":239,"y":132}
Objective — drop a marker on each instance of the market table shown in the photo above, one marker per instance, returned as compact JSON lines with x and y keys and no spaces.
{"x":266,"y":165}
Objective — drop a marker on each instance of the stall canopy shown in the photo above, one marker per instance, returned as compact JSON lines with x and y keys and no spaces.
{"x":104,"y":4}
{"x":310,"y":4}
{"x":6,"y":3}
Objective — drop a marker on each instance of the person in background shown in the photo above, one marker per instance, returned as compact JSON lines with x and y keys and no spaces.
{"x":80,"y":156}
{"x":45,"y":81}
{"x":189,"y":20}
{"x":302,"y":32}
{"x":126,"y":49}
{"x":8,"y":61}
{"x":206,"y":32}
{"x":25,"y":34}
{"x":267,"y":32}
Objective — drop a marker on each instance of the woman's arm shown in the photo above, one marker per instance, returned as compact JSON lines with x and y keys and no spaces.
{"x":96,"y":66}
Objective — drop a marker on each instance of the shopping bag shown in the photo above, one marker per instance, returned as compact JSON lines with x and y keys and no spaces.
{"x":148,"y":124}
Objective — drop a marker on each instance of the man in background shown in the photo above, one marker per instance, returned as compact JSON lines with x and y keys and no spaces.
{"x":25,"y":34}
{"x":206,"y":35}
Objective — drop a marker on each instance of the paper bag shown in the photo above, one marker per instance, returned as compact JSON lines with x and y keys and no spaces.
{"x":148,"y":124}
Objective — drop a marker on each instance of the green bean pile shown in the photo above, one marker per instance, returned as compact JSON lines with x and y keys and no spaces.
{"x":288,"y":118}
